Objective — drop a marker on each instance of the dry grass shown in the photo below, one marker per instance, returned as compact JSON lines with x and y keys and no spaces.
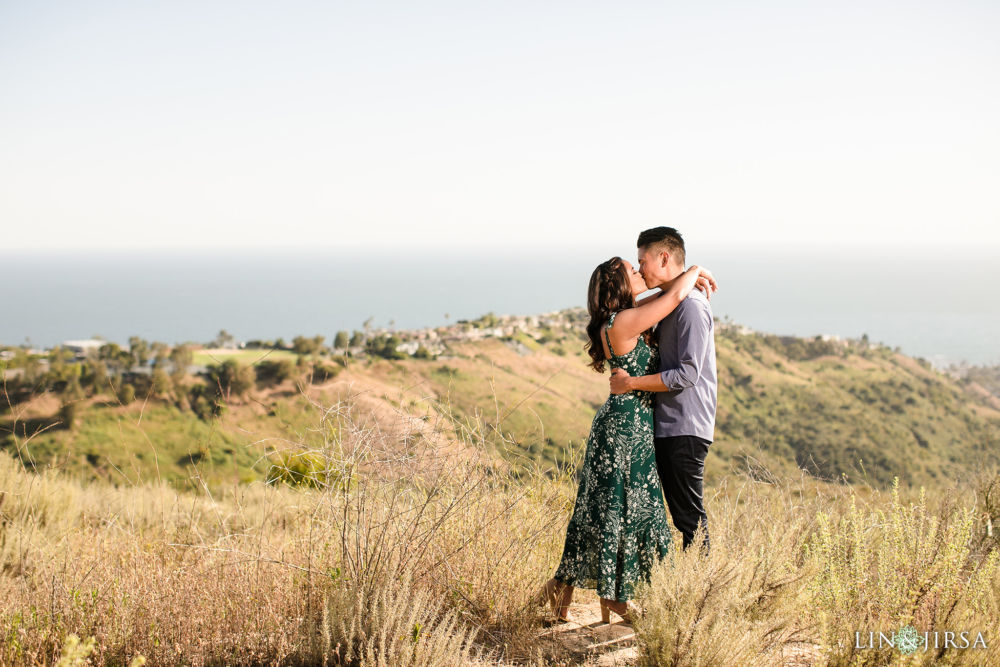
{"x":743,"y":602}
{"x":401,"y":550}
{"x":389,"y":543}
{"x":796,"y":569}
{"x":917,"y":563}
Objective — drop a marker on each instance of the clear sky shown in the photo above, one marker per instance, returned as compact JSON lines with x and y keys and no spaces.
{"x":456,"y":124}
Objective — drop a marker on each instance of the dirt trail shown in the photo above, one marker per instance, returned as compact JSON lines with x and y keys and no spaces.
{"x":586,"y":640}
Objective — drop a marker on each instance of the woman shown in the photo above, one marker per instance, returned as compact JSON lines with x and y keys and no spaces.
{"x":619,"y":526}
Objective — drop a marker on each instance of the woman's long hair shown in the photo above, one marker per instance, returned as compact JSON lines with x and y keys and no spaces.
{"x":609,"y":292}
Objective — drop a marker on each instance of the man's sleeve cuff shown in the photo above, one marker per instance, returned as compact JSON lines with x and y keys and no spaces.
{"x":663,"y":379}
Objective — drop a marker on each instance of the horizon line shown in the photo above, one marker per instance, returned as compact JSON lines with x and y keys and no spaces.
{"x":543,"y":246}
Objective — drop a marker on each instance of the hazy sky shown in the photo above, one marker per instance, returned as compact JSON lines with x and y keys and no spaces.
{"x":209,"y":124}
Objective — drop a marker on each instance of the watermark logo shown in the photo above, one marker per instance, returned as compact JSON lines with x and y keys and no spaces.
{"x":908,"y":640}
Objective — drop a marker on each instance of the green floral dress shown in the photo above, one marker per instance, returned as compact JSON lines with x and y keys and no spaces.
{"x":619,"y":526}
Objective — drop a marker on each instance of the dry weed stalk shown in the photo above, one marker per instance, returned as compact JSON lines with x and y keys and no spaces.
{"x":385,"y":534}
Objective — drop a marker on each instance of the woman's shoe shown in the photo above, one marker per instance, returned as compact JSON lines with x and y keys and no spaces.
{"x":627,"y":610}
{"x":554,"y":593}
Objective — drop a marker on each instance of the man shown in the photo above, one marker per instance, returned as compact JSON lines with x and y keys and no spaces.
{"x":686,"y":386}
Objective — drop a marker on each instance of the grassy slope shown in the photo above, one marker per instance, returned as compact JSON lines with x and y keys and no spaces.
{"x":870,"y":415}
{"x":137,"y":443}
{"x":207,"y":357}
{"x":875,"y":414}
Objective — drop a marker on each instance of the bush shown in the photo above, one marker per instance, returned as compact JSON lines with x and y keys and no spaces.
{"x":306,"y":346}
{"x":204,"y":402}
{"x":68,"y":414}
{"x":162,"y":383}
{"x":126,"y":393}
{"x":324,"y":372}
{"x":307,"y":468}
{"x":384,"y":346}
{"x":908,"y":565}
{"x":180,"y":357}
{"x":740,"y":605}
{"x":231,"y":378}
{"x":275,"y":372}
{"x":94,"y":375}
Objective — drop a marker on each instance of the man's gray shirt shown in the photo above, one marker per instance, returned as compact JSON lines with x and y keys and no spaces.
{"x":687,"y":368}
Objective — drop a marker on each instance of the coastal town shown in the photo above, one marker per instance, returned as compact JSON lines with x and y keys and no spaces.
{"x":386,"y":342}
{"x":431,"y":342}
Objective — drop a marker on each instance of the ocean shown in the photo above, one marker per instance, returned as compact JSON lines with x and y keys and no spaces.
{"x":937,"y":305}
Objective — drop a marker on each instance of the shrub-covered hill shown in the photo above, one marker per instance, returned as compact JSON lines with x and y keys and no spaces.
{"x":830,"y":408}
{"x":833,"y":409}
{"x":862,"y":412}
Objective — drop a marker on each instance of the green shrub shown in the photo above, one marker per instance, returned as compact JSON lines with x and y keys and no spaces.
{"x":231,"y":378}
{"x":270,"y":372}
{"x":126,"y":393}
{"x":162,"y":383}
{"x":306,"y":468}
{"x":306,"y":346}
{"x":384,"y":346}
{"x":205,"y":402}
{"x":323,"y":372}
{"x":880,"y":570}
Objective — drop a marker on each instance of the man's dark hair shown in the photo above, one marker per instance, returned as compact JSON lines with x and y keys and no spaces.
{"x":663,"y":239}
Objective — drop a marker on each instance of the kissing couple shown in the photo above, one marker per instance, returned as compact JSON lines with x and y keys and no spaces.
{"x":650,"y":438}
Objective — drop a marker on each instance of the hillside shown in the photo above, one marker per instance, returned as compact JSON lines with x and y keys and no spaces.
{"x":832,"y":408}
{"x":784,"y":404}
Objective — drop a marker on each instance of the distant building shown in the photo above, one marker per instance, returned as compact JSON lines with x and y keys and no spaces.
{"x":83,"y":348}
{"x":408,"y":348}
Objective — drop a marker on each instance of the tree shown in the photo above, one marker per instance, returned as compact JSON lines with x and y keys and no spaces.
{"x":357,"y":339}
{"x":385,"y":346}
{"x":341,"y":341}
{"x":160,"y":352}
{"x":161,"y":382}
{"x":139,"y":351}
{"x":181,"y":357}
{"x":224,"y":339}
{"x":303,"y":346}
{"x":116,"y":359}
{"x":72,"y":392}
{"x":230,"y":377}
{"x":61,"y":372}
{"x":94,"y":374}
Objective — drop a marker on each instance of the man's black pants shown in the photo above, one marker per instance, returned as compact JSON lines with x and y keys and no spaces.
{"x":680,"y":461}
